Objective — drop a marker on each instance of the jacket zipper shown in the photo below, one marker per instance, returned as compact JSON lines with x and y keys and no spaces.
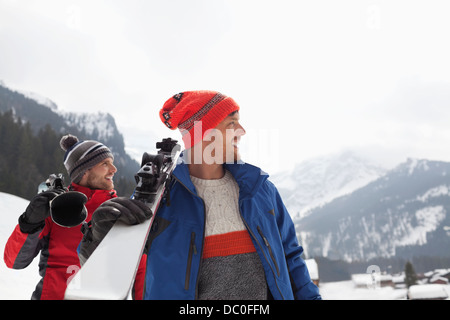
{"x":266,"y":242}
{"x":254,"y":237}
{"x":201,"y":252}
{"x":192,"y":251}
{"x":203,"y":242}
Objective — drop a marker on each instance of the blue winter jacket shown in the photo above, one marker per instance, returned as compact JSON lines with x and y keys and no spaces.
{"x":176,"y":239}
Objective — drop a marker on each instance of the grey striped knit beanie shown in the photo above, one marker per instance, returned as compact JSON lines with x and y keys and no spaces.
{"x":82,"y":155}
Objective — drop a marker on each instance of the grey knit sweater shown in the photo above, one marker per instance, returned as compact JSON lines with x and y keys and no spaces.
{"x":231,"y":268}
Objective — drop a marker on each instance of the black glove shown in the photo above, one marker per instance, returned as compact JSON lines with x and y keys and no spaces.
{"x":33,"y":219}
{"x":120,"y":209}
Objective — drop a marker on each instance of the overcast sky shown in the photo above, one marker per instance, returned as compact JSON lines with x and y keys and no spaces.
{"x":311,"y":77}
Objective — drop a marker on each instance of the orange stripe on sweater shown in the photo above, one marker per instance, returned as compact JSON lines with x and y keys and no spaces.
{"x":227,"y":244}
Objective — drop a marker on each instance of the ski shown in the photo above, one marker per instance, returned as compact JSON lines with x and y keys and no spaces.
{"x":108,"y":274}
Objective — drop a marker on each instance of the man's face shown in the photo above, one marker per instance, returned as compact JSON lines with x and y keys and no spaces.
{"x":224,"y":140}
{"x":100,"y":176}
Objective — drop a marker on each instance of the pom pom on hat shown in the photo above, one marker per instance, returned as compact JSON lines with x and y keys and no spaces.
{"x":195,"y":112}
{"x":68,"y":141}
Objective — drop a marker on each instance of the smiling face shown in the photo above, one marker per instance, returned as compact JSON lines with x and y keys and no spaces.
{"x":100,"y":176}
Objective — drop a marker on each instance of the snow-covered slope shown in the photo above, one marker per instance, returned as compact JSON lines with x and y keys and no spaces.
{"x":404,"y":213}
{"x":14,"y":284}
{"x":33,"y":96}
{"x":100,"y":125}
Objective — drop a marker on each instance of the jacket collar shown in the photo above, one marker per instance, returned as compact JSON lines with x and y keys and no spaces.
{"x":248,"y":177}
{"x":89,"y":192}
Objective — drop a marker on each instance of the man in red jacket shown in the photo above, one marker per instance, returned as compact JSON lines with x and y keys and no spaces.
{"x":91,"y":171}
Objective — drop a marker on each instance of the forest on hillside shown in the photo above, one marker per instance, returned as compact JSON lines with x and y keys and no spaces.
{"x":27,"y":158}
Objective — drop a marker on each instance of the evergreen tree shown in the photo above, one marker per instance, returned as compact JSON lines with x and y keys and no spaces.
{"x":26,"y":159}
{"x":410,"y":275}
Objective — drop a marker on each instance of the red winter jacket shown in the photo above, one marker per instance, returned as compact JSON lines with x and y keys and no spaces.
{"x":58,"y":246}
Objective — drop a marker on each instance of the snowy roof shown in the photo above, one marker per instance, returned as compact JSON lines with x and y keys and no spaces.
{"x":313,"y":269}
{"x":438,"y":278}
{"x":398,"y":278}
{"x":428,"y":274}
{"x":427,"y":291}
{"x":362,"y":279}
{"x":442,"y":272}
{"x":386,"y":277}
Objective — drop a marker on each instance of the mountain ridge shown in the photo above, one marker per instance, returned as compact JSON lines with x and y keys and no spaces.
{"x":319,"y":180}
{"x":403,"y":214}
{"x":39,"y":112}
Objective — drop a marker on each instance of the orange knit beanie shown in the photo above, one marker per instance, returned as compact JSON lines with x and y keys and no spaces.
{"x":195,"y":112}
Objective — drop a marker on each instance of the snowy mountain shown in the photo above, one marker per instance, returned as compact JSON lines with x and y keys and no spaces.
{"x":40,"y":111}
{"x":100,"y":124}
{"x":402,"y":214}
{"x":14,"y":284}
{"x":39,"y":99}
{"x":32,"y":96}
{"x":317,"y":181}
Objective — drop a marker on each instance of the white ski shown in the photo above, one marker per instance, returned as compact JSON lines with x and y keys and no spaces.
{"x":109,"y":272}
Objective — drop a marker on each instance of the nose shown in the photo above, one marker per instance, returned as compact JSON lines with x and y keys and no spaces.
{"x":113,"y":168}
{"x":240,"y":131}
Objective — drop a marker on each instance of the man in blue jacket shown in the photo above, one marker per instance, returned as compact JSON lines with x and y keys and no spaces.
{"x":227,"y":233}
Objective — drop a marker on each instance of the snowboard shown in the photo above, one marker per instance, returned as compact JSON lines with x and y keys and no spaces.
{"x":108,"y":274}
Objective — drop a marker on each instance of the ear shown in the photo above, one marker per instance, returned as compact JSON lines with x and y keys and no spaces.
{"x":84,"y":178}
